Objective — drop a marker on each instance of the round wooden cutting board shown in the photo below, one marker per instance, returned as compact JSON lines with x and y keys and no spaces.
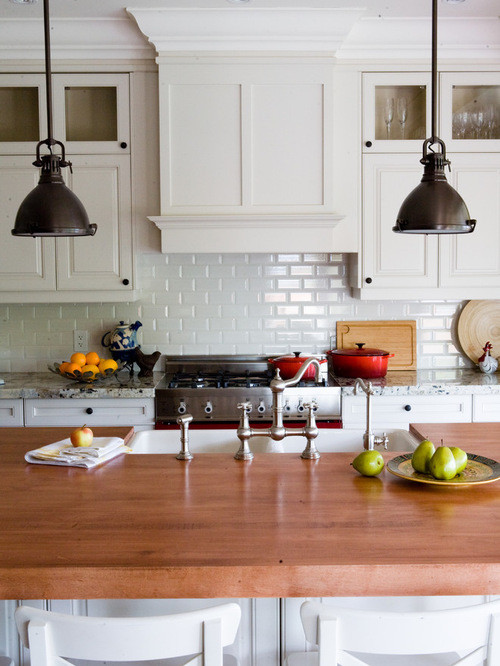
{"x":479,"y":322}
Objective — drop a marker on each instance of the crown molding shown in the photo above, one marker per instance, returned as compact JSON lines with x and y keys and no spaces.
{"x":246,"y":28}
{"x":396,"y":39}
{"x":73,"y":39}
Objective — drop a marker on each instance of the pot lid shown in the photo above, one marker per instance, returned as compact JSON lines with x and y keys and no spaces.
{"x":289,"y":358}
{"x":360,"y":351}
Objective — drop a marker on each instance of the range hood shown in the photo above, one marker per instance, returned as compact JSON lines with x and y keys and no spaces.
{"x":246,"y":126}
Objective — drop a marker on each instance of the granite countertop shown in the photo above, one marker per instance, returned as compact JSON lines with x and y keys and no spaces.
{"x":446,"y":381}
{"x":50,"y":385}
{"x":122,"y":385}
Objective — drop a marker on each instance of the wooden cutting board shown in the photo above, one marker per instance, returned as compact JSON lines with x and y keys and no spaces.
{"x":398,"y":337}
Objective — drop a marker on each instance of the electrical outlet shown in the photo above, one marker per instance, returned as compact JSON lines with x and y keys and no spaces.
{"x":81,"y":341}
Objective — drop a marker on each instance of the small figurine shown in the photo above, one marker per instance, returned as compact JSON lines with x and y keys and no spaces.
{"x":146,"y":362}
{"x":486,"y":362}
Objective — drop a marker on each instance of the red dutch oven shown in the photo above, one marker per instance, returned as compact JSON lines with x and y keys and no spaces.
{"x":289,"y":365}
{"x":360,"y":362}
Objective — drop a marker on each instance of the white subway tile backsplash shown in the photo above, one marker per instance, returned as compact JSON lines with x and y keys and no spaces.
{"x":227,"y":304}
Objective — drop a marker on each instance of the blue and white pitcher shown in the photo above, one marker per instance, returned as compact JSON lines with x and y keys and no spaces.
{"x":122,"y":341}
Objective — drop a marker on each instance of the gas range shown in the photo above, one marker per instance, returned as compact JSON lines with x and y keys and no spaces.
{"x":210,"y":388}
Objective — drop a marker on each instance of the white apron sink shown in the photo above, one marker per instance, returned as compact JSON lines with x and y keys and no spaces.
{"x":226,"y":441}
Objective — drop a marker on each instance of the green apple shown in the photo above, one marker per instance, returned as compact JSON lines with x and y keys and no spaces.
{"x":460,"y":458}
{"x":368,"y":463}
{"x":442,"y":465}
{"x":422,"y":455}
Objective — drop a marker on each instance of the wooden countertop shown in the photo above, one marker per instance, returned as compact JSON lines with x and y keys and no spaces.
{"x":145,"y":526}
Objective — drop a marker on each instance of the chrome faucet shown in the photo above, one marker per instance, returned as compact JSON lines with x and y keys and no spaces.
{"x":184,"y":453}
{"x":369,"y":439}
{"x":277,"y":431}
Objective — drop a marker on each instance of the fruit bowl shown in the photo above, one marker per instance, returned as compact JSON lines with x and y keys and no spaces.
{"x":86,"y":377}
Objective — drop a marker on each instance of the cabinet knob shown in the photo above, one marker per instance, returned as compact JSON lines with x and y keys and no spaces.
{"x":408,"y":408}
{"x":368,"y":280}
{"x":368,"y":144}
{"x":123,"y":145}
{"x":89,"y":410}
{"x":125,"y":282}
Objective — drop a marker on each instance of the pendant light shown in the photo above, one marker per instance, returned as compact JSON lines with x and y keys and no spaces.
{"x":51,"y":209}
{"x":434,"y":207}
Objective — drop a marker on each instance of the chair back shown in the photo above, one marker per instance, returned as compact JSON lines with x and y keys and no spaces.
{"x":51,"y":637}
{"x":472,"y":630}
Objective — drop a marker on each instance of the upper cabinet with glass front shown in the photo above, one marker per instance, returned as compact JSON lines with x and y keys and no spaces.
{"x":90,"y":113}
{"x":396,"y":111}
{"x":470,"y":111}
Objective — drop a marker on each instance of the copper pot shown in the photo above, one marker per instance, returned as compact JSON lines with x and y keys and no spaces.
{"x":290,"y":364}
{"x":360,"y":362}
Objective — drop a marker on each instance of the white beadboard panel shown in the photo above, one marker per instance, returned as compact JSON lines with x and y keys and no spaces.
{"x":212,"y":303}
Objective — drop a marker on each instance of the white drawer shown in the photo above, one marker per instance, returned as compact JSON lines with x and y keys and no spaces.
{"x":97,"y":412}
{"x":400,"y":411}
{"x":11,"y":412}
{"x":486,"y":408}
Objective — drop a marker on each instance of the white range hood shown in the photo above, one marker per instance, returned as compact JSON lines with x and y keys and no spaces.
{"x":246,"y":126}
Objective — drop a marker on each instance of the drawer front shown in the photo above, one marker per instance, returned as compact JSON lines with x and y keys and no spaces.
{"x":97,"y":412}
{"x":486,"y":408}
{"x":11,"y":413}
{"x":400,"y":411}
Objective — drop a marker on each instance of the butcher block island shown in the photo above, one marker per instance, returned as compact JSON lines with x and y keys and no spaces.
{"x":151,"y":526}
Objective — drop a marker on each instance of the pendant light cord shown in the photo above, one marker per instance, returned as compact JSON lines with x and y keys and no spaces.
{"x":48,"y":73}
{"x":434,"y":72}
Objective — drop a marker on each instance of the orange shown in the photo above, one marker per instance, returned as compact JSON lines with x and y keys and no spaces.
{"x":78,"y":358}
{"x":92,"y":358}
{"x":107,"y":366}
{"x":89,"y":368}
{"x":73,"y":368}
{"x":63,"y":367}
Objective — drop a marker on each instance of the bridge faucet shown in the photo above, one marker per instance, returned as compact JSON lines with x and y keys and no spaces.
{"x":369,"y":439}
{"x":277,"y":431}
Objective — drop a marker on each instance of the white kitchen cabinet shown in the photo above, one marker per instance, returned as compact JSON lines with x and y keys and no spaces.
{"x":394,"y":411}
{"x":11,"y":413}
{"x":91,"y":116}
{"x":398,"y":266}
{"x":486,"y":408}
{"x":92,"y":411}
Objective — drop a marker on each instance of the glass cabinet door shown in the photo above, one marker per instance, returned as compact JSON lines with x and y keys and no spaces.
{"x":23,"y":118}
{"x":91,"y":112}
{"x":470,"y":111}
{"x":396,"y":111}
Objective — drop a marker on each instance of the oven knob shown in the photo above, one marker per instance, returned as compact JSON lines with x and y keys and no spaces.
{"x":286,"y":407}
{"x":300,"y":407}
{"x":261,"y":408}
{"x":208,"y":407}
{"x":182,"y":407}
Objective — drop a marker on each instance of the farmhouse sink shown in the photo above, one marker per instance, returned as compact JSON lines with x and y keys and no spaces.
{"x":225,"y":441}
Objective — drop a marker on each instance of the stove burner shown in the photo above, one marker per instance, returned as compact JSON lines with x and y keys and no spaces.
{"x":227,"y":379}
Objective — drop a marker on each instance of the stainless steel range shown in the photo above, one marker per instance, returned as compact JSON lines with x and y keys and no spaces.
{"x":211,"y":387}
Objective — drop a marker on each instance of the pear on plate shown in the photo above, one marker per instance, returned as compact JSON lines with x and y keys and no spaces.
{"x":442,"y":465}
{"x":422,"y":455}
{"x":460,"y":458}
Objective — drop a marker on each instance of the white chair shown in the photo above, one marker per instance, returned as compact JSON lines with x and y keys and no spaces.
{"x":54,"y":637}
{"x":468,"y":636}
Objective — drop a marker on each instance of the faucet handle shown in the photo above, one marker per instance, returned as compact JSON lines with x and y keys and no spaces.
{"x":312,"y":405}
{"x":245,"y":406}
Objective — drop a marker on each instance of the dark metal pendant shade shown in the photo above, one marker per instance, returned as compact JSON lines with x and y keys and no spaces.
{"x":434,"y":207}
{"x":51,"y":209}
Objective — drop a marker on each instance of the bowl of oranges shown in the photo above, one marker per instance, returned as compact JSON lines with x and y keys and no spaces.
{"x":85,"y":367}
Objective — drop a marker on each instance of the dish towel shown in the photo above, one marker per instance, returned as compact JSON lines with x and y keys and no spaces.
{"x":65,"y":454}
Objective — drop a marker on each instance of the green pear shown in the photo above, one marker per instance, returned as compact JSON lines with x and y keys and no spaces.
{"x":368,"y":463}
{"x":421,"y":456}
{"x":460,"y":458}
{"x":442,"y":465}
